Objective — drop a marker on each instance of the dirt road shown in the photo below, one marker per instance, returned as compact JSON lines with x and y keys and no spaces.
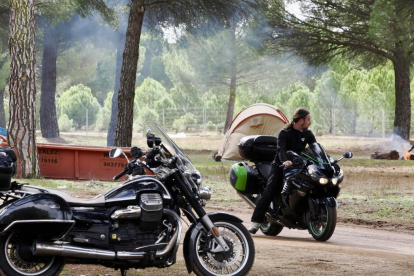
{"x":352,"y":250}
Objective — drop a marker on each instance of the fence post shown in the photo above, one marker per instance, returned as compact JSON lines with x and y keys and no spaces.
{"x":204,"y":119}
{"x":383,"y":122}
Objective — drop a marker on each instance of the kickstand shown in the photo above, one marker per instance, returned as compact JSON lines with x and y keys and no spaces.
{"x":123,"y":272}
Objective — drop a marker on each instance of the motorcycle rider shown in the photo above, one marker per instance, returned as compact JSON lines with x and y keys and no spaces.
{"x":295,"y":136}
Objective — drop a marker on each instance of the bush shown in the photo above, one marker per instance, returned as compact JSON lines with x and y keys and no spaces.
{"x":74,"y":103}
{"x":185,"y":122}
{"x":210,"y":126}
{"x":65,"y":124}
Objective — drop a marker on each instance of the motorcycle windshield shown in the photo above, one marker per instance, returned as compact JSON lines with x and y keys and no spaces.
{"x":171,"y":146}
{"x":317,"y":154}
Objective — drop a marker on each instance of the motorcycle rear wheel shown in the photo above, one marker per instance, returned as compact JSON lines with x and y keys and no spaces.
{"x":16,"y":258}
{"x":271,"y":229}
{"x":324,"y":226}
{"x":236,"y":262}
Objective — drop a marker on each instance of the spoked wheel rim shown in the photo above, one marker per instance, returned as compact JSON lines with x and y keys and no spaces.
{"x":231,"y":262}
{"x":20,"y":260}
{"x":319,"y":226}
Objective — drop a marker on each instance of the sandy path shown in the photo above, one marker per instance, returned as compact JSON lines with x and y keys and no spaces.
{"x":350,"y":251}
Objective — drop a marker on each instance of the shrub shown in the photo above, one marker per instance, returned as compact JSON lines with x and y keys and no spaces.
{"x":185,"y":122}
{"x":74,"y":103}
{"x":65,"y":124}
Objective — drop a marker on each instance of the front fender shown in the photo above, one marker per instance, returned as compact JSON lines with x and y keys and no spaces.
{"x":328,"y":201}
{"x":46,"y":214}
{"x":194,"y":230}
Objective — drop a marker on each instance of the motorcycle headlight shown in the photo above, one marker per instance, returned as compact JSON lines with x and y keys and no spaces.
{"x":334,"y":181}
{"x":323,"y":181}
{"x":312,"y":170}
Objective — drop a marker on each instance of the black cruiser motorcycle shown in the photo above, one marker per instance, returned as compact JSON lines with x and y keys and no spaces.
{"x":315,"y":180}
{"x":135,"y":225}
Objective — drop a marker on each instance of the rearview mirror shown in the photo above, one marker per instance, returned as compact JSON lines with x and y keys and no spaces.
{"x":114,"y":153}
{"x":150,"y":134}
{"x":348,"y":154}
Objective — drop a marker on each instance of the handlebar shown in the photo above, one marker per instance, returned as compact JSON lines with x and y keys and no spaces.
{"x":118,"y":176}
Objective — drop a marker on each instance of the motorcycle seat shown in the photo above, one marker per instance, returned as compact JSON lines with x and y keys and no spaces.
{"x":97,"y":201}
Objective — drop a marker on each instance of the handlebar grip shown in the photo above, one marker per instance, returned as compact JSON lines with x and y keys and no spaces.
{"x":118,"y":176}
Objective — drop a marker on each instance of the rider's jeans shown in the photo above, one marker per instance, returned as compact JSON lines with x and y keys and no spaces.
{"x":274,"y":185}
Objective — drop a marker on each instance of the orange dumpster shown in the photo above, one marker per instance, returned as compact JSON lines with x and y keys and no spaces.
{"x":79,"y":162}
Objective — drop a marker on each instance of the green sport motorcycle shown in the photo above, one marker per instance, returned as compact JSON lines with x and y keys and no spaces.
{"x":315,"y":180}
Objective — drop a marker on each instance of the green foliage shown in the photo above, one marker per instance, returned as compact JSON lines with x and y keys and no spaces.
{"x":185,"y":122}
{"x":74,"y":103}
{"x":364,"y":126}
{"x":104,"y":114}
{"x":77,"y":65}
{"x":150,"y":98}
{"x":65,"y":124}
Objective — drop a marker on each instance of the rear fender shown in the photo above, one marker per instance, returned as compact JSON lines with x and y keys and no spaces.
{"x":194,"y":230}
{"x":46,"y":214}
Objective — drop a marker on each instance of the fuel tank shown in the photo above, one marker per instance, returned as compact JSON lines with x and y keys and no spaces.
{"x":128,"y":192}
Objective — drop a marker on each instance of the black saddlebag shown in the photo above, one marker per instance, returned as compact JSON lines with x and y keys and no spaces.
{"x":258,"y":148}
{"x":7,"y":167}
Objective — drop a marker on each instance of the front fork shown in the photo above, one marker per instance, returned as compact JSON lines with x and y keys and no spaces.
{"x":205,"y":220}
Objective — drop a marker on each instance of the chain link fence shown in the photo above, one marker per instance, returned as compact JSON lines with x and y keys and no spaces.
{"x":369,"y":123}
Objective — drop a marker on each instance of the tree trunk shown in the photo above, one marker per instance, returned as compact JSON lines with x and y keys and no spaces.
{"x":110,"y":140}
{"x":123,"y":135}
{"x":48,"y":119}
{"x":22,"y":126}
{"x":402,"y":98}
{"x":2,"y":113}
{"x":232,"y":100}
{"x":233,"y":79}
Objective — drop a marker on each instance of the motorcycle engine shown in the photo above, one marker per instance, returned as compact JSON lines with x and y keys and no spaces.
{"x":137,"y":226}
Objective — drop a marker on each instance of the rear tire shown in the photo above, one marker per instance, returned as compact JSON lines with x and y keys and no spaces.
{"x":324,"y":226}
{"x":271,"y":229}
{"x":16,"y":258}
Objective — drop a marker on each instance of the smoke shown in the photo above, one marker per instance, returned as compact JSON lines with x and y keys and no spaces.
{"x":399,"y":144}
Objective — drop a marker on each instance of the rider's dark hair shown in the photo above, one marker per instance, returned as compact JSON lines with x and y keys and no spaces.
{"x":300,"y":113}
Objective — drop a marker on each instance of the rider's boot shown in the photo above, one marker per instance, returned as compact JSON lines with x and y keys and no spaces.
{"x":254,"y":227}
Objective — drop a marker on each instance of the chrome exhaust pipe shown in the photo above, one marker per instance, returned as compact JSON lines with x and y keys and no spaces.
{"x":253,"y":206}
{"x":67,"y":250}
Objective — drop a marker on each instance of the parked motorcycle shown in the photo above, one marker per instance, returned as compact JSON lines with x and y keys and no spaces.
{"x":135,"y":225}
{"x":315,"y":179}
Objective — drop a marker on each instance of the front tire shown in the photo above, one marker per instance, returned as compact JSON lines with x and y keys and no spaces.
{"x":324,"y":226}
{"x":16,"y":258}
{"x":236,"y":262}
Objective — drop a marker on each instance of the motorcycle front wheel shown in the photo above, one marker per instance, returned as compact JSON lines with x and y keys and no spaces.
{"x":16,"y":258}
{"x":235,"y":262}
{"x":323,"y":227}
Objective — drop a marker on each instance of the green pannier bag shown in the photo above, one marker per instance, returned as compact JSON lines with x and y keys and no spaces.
{"x":244,"y":179}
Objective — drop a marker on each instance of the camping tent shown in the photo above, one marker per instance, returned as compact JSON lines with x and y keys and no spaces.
{"x":257,"y":119}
